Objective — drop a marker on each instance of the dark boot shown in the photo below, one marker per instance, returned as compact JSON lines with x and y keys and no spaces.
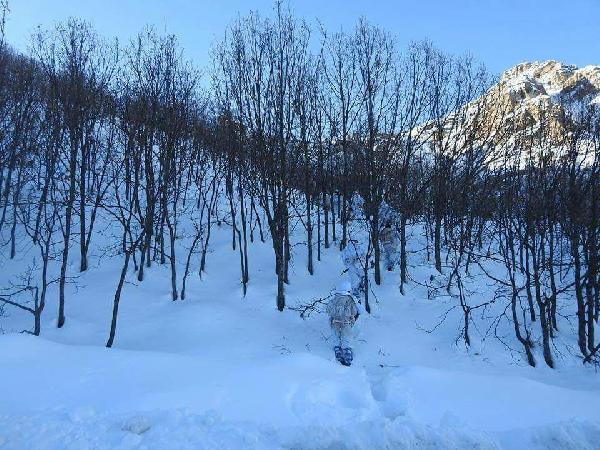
{"x":339,"y":355}
{"x":347,"y":356}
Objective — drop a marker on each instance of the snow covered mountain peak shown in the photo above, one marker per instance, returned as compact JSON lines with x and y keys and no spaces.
{"x":551,"y":81}
{"x":531,"y":102}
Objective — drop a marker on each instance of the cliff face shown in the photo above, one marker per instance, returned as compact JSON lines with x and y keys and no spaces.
{"x":528,"y":107}
{"x":547,"y":90}
{"x":551,"y":81}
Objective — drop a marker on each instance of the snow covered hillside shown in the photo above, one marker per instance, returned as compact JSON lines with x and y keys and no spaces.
{"x":221,"y":371}
{"x":356,"y":246}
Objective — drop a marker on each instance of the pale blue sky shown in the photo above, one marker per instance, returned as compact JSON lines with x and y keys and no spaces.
{"x":500,"y":33}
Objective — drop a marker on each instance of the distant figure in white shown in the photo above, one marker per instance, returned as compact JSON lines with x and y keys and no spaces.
{"x":343,"y":313}
{"x":354,"y":258}
{"x":389,"y":243}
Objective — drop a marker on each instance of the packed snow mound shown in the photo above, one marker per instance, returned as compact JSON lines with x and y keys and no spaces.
{"x":209,"y":431}
{"x":90,"y":397}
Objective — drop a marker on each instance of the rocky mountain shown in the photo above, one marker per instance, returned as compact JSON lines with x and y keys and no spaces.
{"x":533,"y":83}
{"x":537,"y":91}
{"x":530,"y":97}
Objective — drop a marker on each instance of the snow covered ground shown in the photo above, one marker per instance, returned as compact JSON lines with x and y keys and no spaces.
{"x":221,"y":371}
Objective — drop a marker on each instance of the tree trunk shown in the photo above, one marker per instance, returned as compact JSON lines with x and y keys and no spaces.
{"x":437,"y":237}
{"x":116,"y":300}
{"x":403,"y":257}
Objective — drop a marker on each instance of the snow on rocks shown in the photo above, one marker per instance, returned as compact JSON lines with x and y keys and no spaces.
{"x":137,"y":425}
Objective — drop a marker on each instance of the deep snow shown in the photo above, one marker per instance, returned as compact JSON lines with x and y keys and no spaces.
{"x":221,"y":371}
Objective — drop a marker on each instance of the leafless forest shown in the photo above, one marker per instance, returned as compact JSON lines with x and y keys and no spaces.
{"x":291,"y":123}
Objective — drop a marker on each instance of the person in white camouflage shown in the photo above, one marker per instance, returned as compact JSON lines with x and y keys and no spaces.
{"x":389,"y":242}
{"x":343,"y":313}
{"x":353,"y":257}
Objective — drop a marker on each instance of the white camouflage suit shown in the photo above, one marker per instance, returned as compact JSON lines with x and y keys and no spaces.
{"x":343,"y":312}
{"x":353,"y":257}
{"x":389,"y":244}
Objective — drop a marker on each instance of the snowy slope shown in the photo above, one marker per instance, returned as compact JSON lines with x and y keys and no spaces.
{"x":221,"y":371}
